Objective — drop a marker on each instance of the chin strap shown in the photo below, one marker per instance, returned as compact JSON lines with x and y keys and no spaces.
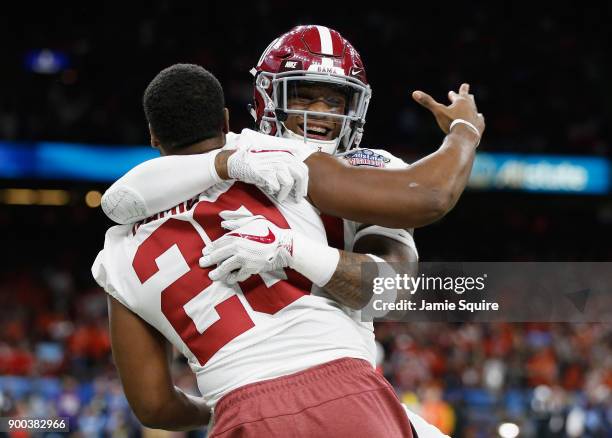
{"x":281,"y":115}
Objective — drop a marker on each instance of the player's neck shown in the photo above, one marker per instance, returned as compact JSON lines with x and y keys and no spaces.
{"x":203,"y":146}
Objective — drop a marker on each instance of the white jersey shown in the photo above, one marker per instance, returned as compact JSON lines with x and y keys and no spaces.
{"x":343,"y":234}
{"x":268,"y":326}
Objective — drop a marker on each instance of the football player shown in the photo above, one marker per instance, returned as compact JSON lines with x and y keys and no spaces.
{"x":310,"y":85}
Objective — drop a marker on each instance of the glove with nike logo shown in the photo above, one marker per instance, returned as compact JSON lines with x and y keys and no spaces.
{"x":255,"y":245}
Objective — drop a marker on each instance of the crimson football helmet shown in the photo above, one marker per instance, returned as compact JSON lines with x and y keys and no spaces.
{"x":311,"y":55}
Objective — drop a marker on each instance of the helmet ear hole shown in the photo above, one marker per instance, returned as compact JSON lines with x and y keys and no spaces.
{"x":266,"y":127}
{"x":263,"y":81}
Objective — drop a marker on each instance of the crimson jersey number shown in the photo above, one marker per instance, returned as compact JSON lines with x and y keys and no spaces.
{"x":233,"y":319}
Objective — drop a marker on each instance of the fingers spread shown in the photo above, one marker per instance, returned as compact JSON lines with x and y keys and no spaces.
{"x":464,"y":89}
{"x":425,"y":100}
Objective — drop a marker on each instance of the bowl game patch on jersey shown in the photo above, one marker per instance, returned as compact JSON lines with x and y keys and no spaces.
{"x":366,"y":157}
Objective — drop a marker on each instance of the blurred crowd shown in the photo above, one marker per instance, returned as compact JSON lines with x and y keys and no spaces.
{"x":539,"y":77}
{"x":552,"y":380}
{"x":55,"y":355}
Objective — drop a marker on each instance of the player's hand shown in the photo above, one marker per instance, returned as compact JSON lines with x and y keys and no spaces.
{"x":253,"y":245}
{"x":462,"y":106}
{"x":279,"y":173}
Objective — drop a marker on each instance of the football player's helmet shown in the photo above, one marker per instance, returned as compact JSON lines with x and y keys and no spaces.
{"x":311,"y":55}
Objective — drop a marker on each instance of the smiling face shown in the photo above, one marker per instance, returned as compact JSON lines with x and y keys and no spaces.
{"x":318,"y":98}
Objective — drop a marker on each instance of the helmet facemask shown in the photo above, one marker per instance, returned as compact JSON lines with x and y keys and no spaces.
{"x":281,"y":94}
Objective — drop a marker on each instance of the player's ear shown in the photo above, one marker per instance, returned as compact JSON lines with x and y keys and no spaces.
{"x":225,"y":121}
{"x":154,"y":140}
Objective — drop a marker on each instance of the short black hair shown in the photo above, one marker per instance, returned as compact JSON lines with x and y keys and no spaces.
{"x":184,"y":105}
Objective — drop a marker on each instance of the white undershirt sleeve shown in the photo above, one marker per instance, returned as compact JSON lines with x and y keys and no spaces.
{"x":158,"y":185}
{"x":398,"y":234}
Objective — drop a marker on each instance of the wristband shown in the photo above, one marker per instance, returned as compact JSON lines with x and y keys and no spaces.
{"x":466,"y":123}
{"x":314,"y":260}
{"x":376,"y":258}
{"x":384,"y":268}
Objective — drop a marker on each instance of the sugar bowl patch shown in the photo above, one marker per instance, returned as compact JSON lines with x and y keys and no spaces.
{"x":366,"y":157}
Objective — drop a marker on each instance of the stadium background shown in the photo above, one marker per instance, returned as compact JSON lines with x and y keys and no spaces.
{"x":540,"y":76}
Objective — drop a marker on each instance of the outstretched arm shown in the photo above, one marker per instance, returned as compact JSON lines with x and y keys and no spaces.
{"x":406,"y":198}
{"x":397,"y":198}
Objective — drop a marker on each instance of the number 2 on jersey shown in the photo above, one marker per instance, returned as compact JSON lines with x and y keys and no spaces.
{"x":233,"y":319}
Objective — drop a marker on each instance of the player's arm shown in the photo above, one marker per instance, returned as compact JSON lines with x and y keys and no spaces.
{"x":255,"y":245}
{"x":161,"y":183}
{"x":345,"y":285}
{"x":404,"y":198}
{"x":142,"y":356}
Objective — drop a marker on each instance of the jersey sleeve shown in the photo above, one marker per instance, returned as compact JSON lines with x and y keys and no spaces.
{"x":381,"y":159}
{"x":160,"y":184}
{"x":104,"y":267}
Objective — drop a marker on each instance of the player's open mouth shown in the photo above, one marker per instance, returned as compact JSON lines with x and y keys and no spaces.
{"x":316,"y":132}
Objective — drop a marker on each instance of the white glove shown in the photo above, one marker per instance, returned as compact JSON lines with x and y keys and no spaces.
{"x":278,"y":172}
{"x":255,"y":245}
